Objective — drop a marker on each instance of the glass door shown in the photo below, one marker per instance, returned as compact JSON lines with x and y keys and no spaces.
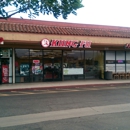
{"x":4,"y":68}
{"x":52,"y":69}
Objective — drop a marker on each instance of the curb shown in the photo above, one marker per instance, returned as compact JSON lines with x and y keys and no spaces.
{"x":65,"y":87}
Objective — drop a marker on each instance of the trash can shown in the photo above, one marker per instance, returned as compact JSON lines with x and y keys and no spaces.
{"x":108,"y":75}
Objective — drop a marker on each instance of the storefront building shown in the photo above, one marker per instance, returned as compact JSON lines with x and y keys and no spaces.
{"x":40,"y":51}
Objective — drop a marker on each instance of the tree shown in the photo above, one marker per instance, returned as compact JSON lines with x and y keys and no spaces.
{"x":34,"y":7}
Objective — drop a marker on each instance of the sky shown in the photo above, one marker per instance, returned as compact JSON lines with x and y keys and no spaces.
{"x":99,"y":12}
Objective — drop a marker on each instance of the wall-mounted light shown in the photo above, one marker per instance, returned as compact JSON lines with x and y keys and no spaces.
{"x":1,"y":41}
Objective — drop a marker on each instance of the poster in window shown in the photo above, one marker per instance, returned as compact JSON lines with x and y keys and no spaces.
{"x":37,"y":69}
{"x":72,"y":71}
{"x":24,"y":69}
{"x":5,"y":73}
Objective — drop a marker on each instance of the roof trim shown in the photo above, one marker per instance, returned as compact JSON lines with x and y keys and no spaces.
{"x":62,"y":28}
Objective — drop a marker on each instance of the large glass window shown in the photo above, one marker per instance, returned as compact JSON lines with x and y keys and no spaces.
{"x":116,"y":61}
{"x":52,"y":65}
{"x":73,"y":64}
{"x":33,"y":65}
{"x":36,"y":65}
{"x":22,"y":65}
{"x":94,"y":64}
{"x":110,"y":61}
{"x":120,"y":61}
{"x":128,"y":61}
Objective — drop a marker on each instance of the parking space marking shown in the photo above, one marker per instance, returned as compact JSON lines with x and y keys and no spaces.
{"x":16,"y":93}
{"x":2,"y":95}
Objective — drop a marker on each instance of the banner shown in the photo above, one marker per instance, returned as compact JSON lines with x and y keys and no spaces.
{"x":72,"y":71}
{"x":5,"y":74}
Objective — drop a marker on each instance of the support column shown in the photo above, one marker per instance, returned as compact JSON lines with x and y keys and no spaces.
{"x":13,"y":56}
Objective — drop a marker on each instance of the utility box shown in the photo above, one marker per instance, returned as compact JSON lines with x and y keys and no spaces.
{"x":108,"y":75}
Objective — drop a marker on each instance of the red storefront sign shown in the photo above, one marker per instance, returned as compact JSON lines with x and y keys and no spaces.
{"x":1,"y":40}
{"x":65,"y":43}
{"x":36,"y":61}
{"x":5,"y":74}
{"x":127,"y":46}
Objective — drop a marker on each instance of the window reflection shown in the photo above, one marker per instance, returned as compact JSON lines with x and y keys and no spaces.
{"x":73,"y":59}
{"x":36,"y":65}
{"x":127,"y":61}
{"x":29,"y":64}
{"x":120,"y":61}
{"x":73,"y":64}
{"x":22,"y":65}
{"x":94,"y":67}
{"x":52,"y":53}
{"x":52,"y":65}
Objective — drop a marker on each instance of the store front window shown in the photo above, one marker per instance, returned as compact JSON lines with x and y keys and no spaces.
{"x":36,"y":65}
{"x":120,"y":61}
{"x":117,"y":61}
{"x":94,"y":64}
{"x":33,"y":65}
{"x":52,"y":65}
{"x":73,"y":64}
{"x":110,"y":61}
{"x":80,"y":64}
{"x":22,"y":65}
{"x":127,"y":61}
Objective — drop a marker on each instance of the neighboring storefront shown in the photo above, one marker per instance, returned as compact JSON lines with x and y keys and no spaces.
{"x":117,"y":61}
{"x":36,"y":51}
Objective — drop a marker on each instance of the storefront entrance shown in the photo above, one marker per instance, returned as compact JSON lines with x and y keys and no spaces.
{"x":56,"y":65}
{"x":52,"y":69}
{"x":4,"y":70}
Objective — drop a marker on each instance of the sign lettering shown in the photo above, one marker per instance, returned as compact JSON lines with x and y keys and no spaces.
{"x":127,"y":46}
{"x":5,"y":74}
{"x":36,"y":61}
{"x":65,"y":43}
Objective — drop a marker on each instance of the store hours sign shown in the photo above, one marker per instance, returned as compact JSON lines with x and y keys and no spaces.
{"x":65,"y":43}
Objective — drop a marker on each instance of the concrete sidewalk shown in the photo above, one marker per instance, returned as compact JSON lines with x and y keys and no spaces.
{"x":62,"y":84}
{"x":62,"y":114}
